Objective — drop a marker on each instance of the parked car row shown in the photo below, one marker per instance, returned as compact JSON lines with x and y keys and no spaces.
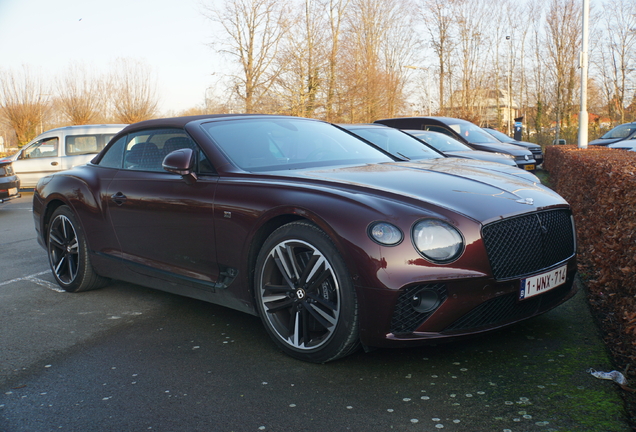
{"x":66,"y":147}
{"x":467,"y":133}
{"x":336,"y":242}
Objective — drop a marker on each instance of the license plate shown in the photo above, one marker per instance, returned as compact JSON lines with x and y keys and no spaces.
{"x":539,"y":284}
{"x":13,"y":191}
{"x":529,"y":167}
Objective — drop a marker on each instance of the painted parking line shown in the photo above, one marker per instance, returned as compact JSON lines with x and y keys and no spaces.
{"x":36,"y":280}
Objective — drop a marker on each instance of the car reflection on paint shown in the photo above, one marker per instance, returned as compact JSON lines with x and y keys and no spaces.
{"x":333,"y":242}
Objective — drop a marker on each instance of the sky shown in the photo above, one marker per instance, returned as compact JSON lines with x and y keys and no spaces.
{"x":170,"y":36}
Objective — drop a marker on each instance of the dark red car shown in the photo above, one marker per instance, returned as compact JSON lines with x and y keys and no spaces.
{"x":333,"y":242}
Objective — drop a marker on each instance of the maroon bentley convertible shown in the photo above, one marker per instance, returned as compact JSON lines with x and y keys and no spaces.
{"x":334,"y":243}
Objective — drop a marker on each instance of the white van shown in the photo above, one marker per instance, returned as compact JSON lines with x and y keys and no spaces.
{"x":61,"y":149}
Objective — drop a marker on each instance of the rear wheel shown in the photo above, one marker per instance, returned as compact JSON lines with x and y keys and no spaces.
{"x":68,"y":253}
{"x":305,"y":294}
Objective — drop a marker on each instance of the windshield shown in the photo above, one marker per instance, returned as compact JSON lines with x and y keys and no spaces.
{"x":472,"y":133}
{"x":397,"y":143}
{"x":267,"y":144}
{"x":499,"y":135}
{"x":440,"y":141}
{"x":622,"y":131}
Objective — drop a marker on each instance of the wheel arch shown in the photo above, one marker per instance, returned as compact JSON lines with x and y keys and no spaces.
{"x":277,"y":221}
{"x":50,"y":208}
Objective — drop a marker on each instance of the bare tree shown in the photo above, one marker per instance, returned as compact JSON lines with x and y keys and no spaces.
{"x":562,"y":44}
{"x":254,"y":29}
{"x":337,"y":9}
{"x":617,"y":55}
{"x":378,"y":43}
{"x":23,"y":103}
{"x":301,"y":60}
{"x":439,"y":19}
{"x":80,"y":95}
{"x":133,"y":91}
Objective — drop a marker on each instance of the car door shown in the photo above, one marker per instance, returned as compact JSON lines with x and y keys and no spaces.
{"x":164,"y":225}
{"x":38,"y":160}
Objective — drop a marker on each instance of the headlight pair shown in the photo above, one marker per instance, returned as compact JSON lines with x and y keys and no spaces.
{"x":434,"y":239}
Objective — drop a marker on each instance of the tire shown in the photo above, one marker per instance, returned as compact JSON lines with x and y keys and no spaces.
{"x":68,"y":253}
{"x":305,"y":295}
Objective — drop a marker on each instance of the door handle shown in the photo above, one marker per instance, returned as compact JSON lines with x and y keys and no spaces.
{"x":119,"y":198}
{"x":54,"y":163}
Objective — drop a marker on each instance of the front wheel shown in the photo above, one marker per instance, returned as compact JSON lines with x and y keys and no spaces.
{"x":68,"y":253}
{"x":305,"y":295}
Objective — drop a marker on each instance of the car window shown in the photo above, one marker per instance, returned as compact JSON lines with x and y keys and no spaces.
{"x":44,"y":148}
{"x":622,"y":131}
{"x":86,"y":144}
{"x":270,"y":144}
{"x":473,"y":133}
{"x":114,"y":155}
{"x":441,"y":142}
{"x":499,"y":135}
{"x":145,"y":151}
{"x":397,"y":143}
{"x":438,"y":129}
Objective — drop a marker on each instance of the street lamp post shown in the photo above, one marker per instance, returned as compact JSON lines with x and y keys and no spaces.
{"x":428,"y":84}
{"x":583,"y":116}
{"x":509,"y":119}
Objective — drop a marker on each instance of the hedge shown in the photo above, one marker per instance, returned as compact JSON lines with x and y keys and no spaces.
{"x":600,"y":185}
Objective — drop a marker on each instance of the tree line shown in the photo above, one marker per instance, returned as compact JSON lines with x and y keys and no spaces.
{"x":355,"y":61}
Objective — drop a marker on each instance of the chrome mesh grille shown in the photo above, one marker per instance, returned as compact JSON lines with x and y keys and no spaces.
{"x":530,"y":243}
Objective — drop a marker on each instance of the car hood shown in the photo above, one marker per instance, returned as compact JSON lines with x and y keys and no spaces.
{"x":604,"y":142}
{"x":478,"y":193}
{"x":627,"y":144}
{"x":502,"y":148}
{"x":482,"y":155}
{"x":525,"y":144}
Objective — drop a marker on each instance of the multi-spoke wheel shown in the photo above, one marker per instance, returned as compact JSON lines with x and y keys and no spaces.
{"x":305,"y":295}
{"x":68,"y":254}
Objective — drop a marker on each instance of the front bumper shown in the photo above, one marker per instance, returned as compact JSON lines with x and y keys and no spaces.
{"x":466,"y":307}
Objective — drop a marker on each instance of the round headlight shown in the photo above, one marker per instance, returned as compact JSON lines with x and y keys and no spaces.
{"x":437,"y":241}
{"x":385,"y":233}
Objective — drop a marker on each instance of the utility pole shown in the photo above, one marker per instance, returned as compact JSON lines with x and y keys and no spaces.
{"x":509,"y":119}
{"x":583,"y":117}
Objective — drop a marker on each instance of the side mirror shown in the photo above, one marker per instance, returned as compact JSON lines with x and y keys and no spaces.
{"x":181,"y":162}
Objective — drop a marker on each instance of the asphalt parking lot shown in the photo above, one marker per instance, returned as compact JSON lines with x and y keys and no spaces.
{"x":129,"y":358}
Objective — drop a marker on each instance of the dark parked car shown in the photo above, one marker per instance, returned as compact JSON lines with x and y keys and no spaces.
{"x":403,"y":145}
{"x":536,"y":150}
{"x":622,"y":132}
{"x":466,"y":132}
{"x":331,"y":241}
{"x":451,"y":147}
{"x":9,"y":182}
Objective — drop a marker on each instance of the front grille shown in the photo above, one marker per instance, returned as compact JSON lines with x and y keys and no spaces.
{"x":506,"y":308}
{"x":527,"y":244}
{"x":405,"y":318}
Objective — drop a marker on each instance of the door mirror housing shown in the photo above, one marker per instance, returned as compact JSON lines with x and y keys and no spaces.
{"x":181,"y":162}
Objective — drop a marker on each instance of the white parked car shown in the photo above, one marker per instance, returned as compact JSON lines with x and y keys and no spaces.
{"x":61,"y":149}
{"x":629,"y":144}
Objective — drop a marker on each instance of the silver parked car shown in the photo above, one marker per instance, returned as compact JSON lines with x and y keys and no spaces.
{"x":61,"y":149}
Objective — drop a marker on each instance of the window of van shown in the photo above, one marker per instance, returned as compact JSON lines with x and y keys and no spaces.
{"x":86,"y":144}
{"x":44,"y":148}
